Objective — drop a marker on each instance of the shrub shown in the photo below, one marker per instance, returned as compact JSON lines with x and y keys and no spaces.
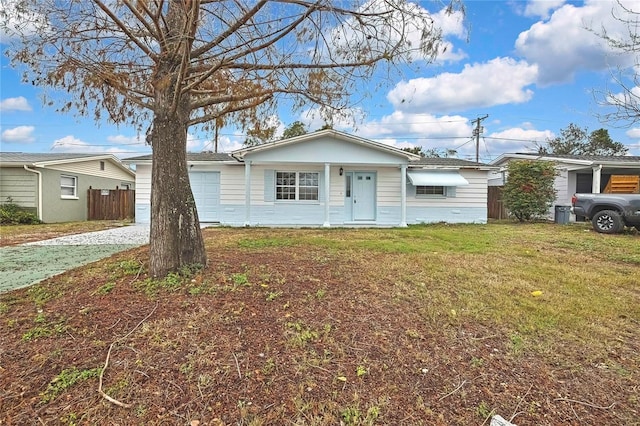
{"x":13,"y":214}
{"x":529,"y":191}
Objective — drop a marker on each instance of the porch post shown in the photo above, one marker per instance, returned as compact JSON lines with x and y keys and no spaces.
{"x":597,"y":179}
{"x":403,"y":195}
{"x":247,"y":193}
{"x":327,"y":193}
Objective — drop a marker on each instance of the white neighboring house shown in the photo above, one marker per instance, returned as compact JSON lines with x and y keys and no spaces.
{"x":577,"y":173}
{"x":327,"y":178}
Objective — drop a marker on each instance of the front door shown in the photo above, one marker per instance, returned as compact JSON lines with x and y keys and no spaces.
{"x":364,"y":196}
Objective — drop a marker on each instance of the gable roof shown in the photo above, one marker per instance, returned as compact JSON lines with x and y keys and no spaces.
{"x":335,"y":134}
{"x":449,"y":162}
{"x":18,"y":159}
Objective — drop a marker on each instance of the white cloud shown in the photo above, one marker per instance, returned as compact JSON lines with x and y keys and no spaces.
{"x":497,"y":82}
{"x":563,"y":45}
{"x":126,"y":140}
{"x":15,"y":104}
{"x":516,"y":139}
{"x":19,"y":22}
{"x":541,"y":8}
{"x":634,"y":133}
{"x":226,"y":144}
{"x":72,"y":144}
{"x":20,"y":134}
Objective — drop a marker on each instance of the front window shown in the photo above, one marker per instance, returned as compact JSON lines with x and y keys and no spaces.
{"x":68,"y":186}
{"x":430,"y":190}
{"x":301,"y":186}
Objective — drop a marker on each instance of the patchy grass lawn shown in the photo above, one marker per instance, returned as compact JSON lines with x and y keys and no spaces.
{"x":443,"y":325}
{"x":17,"y":234}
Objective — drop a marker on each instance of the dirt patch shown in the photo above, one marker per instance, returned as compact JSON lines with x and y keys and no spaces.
{"x":274,"y":333}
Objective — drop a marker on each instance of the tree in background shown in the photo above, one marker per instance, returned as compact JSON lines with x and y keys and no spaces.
{"x":528,"y":192}
{"x":297,"y":128}
{"x":431,"y":152}
{"x":414,"y":150}
{"x":626,"y":100}
{"x":577,"y":141}
{"x":165,"y":66}
{"x":440,"y":153}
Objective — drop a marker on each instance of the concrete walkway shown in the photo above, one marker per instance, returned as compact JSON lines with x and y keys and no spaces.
{"x":29,"y":263}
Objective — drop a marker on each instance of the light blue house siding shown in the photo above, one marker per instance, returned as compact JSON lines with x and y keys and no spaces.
{"x":359,"y":183}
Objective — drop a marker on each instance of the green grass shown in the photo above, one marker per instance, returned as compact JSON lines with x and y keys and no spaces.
{"x":487,"y":273}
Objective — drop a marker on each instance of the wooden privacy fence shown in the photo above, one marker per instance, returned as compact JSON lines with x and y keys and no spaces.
{"x":495,"y":206}
{"x":111,"y":204}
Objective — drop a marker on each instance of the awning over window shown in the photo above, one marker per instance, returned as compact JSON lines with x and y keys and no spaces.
{"x":436,"y":178}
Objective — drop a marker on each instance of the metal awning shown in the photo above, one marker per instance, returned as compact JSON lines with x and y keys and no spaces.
{"x":436,"y":178}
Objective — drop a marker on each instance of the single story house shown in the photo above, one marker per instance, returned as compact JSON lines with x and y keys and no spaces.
{"x":579,"y":173}
{"x":55,"y":185}
{"x":327,"y":178}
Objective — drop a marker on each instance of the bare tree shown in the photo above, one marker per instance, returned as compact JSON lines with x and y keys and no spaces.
{"x":166,"y":65}
{"x":625,"y":102}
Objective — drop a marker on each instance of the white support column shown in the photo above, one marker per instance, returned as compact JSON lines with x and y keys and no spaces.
{"x":327,"y":193}
{"x":403,"y":196}
{"x":247,"y":193}
{"x":597,"y":179}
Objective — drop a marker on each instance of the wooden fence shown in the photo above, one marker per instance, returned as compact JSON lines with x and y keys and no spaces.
{"x":495,"y":206}
{"x":111,"y":204}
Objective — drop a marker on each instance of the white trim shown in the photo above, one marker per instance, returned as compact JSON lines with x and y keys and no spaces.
{"x":327,"y":193}
{"x":75,"y":187}
{"x":247,"y":193}
{"x":403,"y":196}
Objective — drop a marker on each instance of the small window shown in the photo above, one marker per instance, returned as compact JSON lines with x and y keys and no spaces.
{"x":68,"y":187}
{"x":301,"y":186}
{"x":348,"y":188}
{"x":430,"y":190}
{"x":102,"y":165}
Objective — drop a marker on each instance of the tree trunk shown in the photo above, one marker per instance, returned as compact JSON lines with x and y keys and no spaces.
{"x":176,"y":238}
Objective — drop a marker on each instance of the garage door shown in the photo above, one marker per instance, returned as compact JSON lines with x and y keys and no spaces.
{"x":206,"y":191}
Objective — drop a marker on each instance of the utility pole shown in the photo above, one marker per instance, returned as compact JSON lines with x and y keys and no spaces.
{"x":476,"y":132}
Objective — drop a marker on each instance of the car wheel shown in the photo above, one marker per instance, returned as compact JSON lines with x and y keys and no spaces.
{"x":607,"y":222}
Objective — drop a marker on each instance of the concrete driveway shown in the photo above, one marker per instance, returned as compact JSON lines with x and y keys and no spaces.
{"x":29,"y":263}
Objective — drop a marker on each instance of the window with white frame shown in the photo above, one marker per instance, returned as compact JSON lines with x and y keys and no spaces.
{"x":431,"y":190}
{"x":297,"y":186}
{"x":68,"y":186}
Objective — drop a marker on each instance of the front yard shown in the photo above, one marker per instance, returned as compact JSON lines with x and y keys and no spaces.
{"x":444,"y":325}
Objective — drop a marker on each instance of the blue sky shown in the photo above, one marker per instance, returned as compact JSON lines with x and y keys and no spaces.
{"x":531,"y":66}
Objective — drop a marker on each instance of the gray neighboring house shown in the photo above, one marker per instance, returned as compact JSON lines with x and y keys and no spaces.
{"x":55,"y":185}
{"x":577,"y":173}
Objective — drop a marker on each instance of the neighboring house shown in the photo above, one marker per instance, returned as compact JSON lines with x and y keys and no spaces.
{"x":580,"y":173}
{"x":55,"y":185}
{"x":327,"y":178}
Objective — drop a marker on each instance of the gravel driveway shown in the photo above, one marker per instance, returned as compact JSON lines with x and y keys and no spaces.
{"x":26,"y":264}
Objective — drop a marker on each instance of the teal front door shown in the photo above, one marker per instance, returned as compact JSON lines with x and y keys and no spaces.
{"x":364,"y":196}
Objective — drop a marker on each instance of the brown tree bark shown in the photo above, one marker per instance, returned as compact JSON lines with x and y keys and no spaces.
{"x":175,"y":239}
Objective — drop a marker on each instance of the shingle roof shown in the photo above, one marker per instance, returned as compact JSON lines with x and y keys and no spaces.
{"x":453,"y":162}
{"x":30,"y":158}
{"x":191,"y":156}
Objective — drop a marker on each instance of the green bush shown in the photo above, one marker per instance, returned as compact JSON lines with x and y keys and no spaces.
{"x":13,"y":214}
{"x":529,"y":192}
